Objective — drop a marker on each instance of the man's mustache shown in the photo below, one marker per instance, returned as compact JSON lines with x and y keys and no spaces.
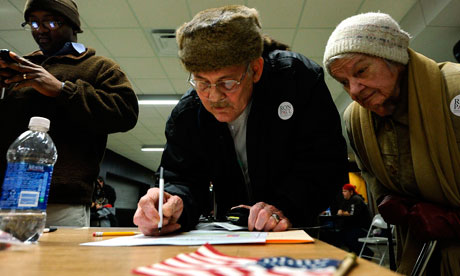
{"x":220,"y":104}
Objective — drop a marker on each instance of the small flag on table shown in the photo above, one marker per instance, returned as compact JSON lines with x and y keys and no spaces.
{"x":208,"y":261}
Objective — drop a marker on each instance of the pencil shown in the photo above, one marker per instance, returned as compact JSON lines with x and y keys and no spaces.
{"x":346,"y":265}
{"x":104,"y":234}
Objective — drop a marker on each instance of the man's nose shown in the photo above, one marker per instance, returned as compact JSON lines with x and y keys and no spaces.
{"x":42,"y":29}
{"x":214,"y":94}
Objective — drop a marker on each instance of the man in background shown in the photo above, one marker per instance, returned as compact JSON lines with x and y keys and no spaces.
{"x":358,"y":219}
{"x":103,"y":206}
{"x":85,"y":96}
{"x":103,"y":194}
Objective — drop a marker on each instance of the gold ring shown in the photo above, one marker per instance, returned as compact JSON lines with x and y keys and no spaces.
{"x":276,"y":217}
{"x":24,"y":76}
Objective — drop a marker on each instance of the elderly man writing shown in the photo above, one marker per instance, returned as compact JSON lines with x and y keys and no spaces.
{"x":259,"y":124}
{"x":405,"y":128}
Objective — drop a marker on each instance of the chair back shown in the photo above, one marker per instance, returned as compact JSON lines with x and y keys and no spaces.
{"x":379,"y":239}
{"x":378,"y":221}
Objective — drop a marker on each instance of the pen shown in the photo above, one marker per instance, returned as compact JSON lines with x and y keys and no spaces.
{"x":3,"y":93}
{"x":104,"y":234}
{"x":346,"y":265}
{"x":214,"y":205}
{"x":160,"y":201}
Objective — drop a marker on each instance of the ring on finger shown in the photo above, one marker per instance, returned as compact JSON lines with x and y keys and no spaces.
{"x":276,"y":217}
{"x":24,"y":76}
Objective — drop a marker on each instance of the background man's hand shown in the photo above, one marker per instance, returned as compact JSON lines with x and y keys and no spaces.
{"x":31,"y":75}
{"x":147,"y":217}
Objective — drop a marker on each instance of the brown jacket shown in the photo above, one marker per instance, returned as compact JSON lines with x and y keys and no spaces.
{"x":97,"y":99}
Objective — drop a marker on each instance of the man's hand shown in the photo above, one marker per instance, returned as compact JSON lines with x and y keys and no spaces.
{"x":343,"y":213}
{"x":29,"y":74}
{"x":266,"y":217}
{"x":147,"y":217}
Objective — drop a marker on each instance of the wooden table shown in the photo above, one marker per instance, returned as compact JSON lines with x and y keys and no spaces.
{"x":59,"y":253}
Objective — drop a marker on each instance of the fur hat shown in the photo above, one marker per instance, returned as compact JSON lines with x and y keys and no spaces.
{"x":220,"y":37}
{"x":375,"y":34}
{"x":66,"y":8}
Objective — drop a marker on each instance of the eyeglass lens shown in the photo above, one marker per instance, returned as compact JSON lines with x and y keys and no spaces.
{"x":226,"y":85}
{"x":49,"y":24}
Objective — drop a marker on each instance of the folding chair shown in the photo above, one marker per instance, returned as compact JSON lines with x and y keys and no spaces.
{"x":423,"y":258}
{"x":381,"y":242}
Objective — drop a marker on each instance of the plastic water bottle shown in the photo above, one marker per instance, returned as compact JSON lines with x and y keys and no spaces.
{"x":31,"y":159}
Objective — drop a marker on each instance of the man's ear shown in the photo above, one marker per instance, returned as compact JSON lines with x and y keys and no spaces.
{"x":257,"y":66}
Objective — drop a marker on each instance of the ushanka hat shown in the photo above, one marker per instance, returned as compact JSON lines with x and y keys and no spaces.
{"x":220,"y":37}
{"x":375,"y":34}
{"x":66,"y":8}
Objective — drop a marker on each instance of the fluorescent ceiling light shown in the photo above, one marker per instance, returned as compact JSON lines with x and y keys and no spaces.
{"x":158,"y":99}
{"x":158,"y":102}
{"x":152,"y":148}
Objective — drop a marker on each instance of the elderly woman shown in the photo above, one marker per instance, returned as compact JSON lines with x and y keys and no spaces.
{"x":404,"y":126}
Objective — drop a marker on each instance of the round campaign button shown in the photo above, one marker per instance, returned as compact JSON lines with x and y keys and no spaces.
{"x":285,"y":110}
{"x":455,"y":105}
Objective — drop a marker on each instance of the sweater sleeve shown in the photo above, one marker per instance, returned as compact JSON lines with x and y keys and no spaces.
{"x":184,"y":166}
{"x":105,"y":103}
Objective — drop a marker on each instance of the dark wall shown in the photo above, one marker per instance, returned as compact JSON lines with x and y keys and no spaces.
{"x":116,"y":164}
{"x":130,"y":181}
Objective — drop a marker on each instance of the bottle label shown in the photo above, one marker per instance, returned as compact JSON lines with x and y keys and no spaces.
{"x":26,"y":186}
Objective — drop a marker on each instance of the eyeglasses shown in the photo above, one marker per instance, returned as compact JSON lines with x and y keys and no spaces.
{"x":35,"y":25}
{"x":226,"y":86}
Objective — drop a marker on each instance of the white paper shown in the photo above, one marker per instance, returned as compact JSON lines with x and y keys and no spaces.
{"x":196,"y":237}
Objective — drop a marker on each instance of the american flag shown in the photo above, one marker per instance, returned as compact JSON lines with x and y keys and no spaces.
{"x":207,"y":261}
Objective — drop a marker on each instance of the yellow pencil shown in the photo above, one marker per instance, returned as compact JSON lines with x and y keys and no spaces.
{"x":103,"y":234}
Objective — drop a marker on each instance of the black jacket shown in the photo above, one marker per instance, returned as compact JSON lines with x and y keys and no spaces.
{"x":298,"y":165}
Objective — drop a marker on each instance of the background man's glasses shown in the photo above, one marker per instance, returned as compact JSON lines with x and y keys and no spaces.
{"x":226,"y":86}
{"x":35,"y":25}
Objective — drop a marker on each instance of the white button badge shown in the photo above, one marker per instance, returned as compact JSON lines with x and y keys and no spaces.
{"x":455,"y":105}
{"x":285,"y":110}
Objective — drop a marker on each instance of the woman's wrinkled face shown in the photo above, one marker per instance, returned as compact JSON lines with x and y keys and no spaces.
{"x":370,"y":81}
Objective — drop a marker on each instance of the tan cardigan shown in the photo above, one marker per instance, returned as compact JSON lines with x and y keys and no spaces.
{"x":434,"y":133}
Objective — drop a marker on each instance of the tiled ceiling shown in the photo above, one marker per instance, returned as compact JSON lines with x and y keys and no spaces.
{"x":121,"y":30}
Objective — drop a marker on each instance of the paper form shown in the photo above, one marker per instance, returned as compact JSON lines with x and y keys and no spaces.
{"x":196,"y":237}
{"x":200,"y":237}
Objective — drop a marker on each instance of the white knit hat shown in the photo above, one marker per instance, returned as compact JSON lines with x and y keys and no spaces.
{"x":370,"y":33}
